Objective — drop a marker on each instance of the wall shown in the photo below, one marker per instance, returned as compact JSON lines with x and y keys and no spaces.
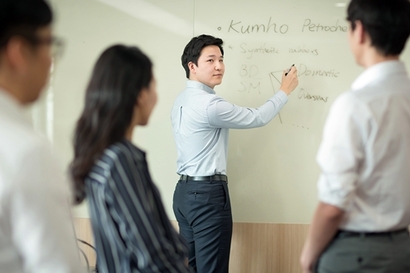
{"x":91,"y":26}
{"x":272,"y":169}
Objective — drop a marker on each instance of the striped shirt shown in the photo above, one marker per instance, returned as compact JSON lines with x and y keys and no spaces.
{"x":131,"y":229}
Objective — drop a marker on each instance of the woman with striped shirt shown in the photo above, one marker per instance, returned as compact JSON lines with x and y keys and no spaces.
{"x":131,"y":229}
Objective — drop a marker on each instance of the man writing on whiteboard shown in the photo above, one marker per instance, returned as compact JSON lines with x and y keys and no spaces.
{"x":201,"y":121}
{"x":361,"y":223}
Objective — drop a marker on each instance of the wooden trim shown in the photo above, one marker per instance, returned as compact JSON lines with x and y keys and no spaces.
{"x":256,"y":247}
{"x":266,"y":248}
{"x":83,"y":231}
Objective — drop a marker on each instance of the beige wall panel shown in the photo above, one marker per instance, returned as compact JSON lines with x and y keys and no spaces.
{"x":256,"y":247}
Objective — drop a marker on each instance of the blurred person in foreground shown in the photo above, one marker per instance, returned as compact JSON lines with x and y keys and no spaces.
{"x":36,"y":228}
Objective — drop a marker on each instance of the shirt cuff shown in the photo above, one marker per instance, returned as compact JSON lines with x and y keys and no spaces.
{"x":283,"y":98}
{"x":336,"y":190}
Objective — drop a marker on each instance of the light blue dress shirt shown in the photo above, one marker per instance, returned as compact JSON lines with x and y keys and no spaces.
{"x":201,"y":121}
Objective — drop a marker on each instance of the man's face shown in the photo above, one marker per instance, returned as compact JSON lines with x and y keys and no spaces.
{"x":38,"y":63}
{"x":210,"y":69}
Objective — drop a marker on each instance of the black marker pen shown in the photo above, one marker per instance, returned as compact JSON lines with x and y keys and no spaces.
{"x":289,"y":69}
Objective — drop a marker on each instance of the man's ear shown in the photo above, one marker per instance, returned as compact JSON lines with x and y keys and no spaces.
{"x":192,"y":68}
{"x":359,"y":32}
{"x":15,"y":52}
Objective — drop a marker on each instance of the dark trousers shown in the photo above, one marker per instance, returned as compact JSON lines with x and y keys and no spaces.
{"x":203,"y":212}
{"x":381,"y":254}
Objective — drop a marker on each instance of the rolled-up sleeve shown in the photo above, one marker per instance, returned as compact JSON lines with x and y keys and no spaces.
{"x":342,"y":151}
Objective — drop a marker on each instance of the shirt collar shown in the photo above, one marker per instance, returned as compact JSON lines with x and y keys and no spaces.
{"x":141,"y":154}
{"x":200,"y":85}
{"x":9,"y":106}
{"x":377,"y":72}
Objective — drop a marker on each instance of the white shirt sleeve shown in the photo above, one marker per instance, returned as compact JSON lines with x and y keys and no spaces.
{"x":341,"y":152}
{"x":41,"y":221}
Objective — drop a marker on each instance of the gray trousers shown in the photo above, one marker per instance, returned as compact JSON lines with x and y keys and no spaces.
{"x":373,"y":254}
{"x":203,"y":212}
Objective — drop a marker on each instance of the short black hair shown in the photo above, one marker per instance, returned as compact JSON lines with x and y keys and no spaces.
{"x":386,"y":21}
{"x":193,"y":49}
{"x":23,"y":18}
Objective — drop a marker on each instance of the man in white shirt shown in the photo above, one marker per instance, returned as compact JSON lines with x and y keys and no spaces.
{"x":361,"y":222}
{"x":36,"y":229}
{"x":201,"y":121}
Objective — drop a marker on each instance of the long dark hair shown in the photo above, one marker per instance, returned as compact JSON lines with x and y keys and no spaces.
{"x":118,"y":76}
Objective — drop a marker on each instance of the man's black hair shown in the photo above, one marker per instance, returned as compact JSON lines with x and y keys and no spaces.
{"x":386,"y":21}
{"x":193,"y":49}
{"x":23,"y":18}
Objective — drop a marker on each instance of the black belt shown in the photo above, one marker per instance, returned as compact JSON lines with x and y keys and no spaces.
{"x":345,"y":233}
{"x":215,"y":177}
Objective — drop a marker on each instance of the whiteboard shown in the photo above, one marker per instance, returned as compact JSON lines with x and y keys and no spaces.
{"x":272,"y":170}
